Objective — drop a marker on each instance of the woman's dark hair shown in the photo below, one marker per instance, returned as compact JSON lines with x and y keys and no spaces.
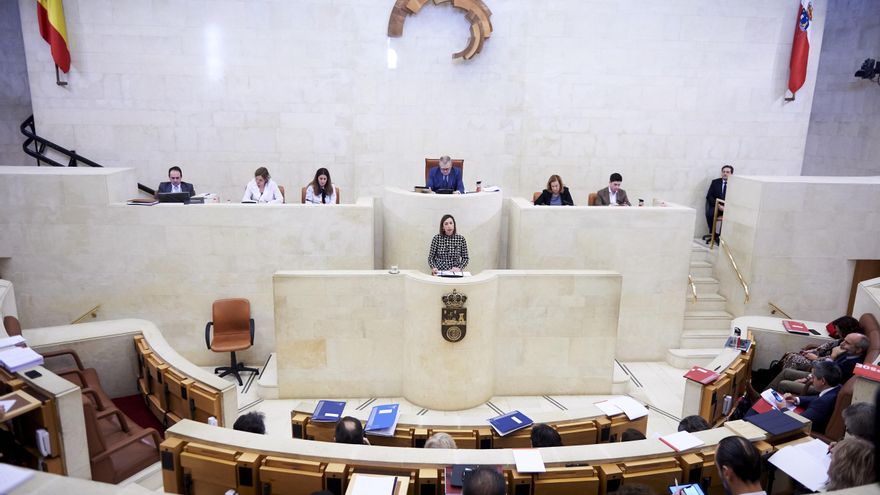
{"x":846,"y":325}
{"x":741,"y":456}
{"x":252,"y":422}
{"x":316,"y":187}
{"x":631,"y":434}
{"x":263,"y":172}
{"x":454,"y":224}
{"x":545,"y":436}
{"x":693,"y":423}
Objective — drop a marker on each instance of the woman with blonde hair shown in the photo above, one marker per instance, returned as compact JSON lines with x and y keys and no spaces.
{"x":262,"y":189}
{"x":852,"y":464}
{"x":556,"y":193}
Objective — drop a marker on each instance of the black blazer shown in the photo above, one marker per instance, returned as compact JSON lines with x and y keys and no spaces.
{"x":818,"y":409}
{"x":165,"y":187}
{"x":715,"y":192}
{"x":544,"y":198}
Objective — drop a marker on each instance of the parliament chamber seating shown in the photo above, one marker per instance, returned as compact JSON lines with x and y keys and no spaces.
{"x":233,"y":331}
{"x":172,"y":395}
{"x":195,"y":461}
{"x":12,"y":326}
{"x":283,"y":194}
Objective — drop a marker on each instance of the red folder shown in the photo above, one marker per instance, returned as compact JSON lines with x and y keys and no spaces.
{"x":762,"y":406}
{"x":795,"y":327}
{"x":701,"y":375}
{"x":868,"y":371}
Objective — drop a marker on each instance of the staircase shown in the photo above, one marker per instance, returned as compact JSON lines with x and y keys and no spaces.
{"x":706,"y":323}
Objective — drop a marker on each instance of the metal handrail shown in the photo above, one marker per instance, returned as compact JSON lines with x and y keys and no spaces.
{"x":712,"y":234}
{"x":776,"y":309}
{"x":29,"y":129}
{"x":693,"y":287}
{"x":742,"y":281}
{"x":92,"y":313}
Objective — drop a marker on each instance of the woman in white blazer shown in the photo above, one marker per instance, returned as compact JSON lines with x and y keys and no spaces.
{"x":262,"y":189}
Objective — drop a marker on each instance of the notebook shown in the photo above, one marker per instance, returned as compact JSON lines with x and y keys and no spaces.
{"x":510,"y":422}
{"x":775,"y":422}
{"x":383,"y":420}
{"x":328,"y":411}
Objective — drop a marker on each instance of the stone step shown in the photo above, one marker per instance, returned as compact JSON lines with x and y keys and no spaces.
{"x":685,"y":358}
{"x":706,"y":302}
{"x":706,"y":285}
{"x":701,"y":269}
{"x":704,"y":338}
{"x":707,"y":320}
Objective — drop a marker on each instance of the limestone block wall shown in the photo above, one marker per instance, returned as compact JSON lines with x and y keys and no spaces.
{"x":71,"y":243}
{"x":795,"y":240}
{"x":663,"y":92}
{"x":649,"y":246}
{"x":529,"y":332}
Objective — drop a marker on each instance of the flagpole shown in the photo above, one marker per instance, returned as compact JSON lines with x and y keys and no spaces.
{"x":58,"y":80}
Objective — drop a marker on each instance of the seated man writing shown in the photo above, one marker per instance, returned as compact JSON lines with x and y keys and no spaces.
{"x":612,"y":195}
{"x":175,"y":183}
{"x":445,"y":178}
{"x":818,"y":408}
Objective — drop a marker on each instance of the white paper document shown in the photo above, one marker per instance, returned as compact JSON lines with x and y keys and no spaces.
{"x":373,"y":485}
{"x":11,"y":477}
{"x":772,"y":397}
{"x":19,"y":358}
{"x":11,"y":341}
{"x":609,"y":408}
{"x":631,"y":407}
{"x":528,"y":460}
{"x":682,"y":441}
{"x":807,"y":463}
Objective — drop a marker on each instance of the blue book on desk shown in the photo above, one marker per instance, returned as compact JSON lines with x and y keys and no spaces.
{"x":328,"y":410}
{"x":510,"y":422}
{"x":383,"y":420}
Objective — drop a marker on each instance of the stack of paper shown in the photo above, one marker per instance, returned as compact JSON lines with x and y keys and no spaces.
{"x":142,"y":202}
{"x":806,"y":462}
{"x":510,"y":422}
{"x":371,"y":484}
{"x":16,"y":340}
{"x":383,"y":420}
{"x":623,"y":405}
{"x":682,"y":441}
{"x":328,"y":411}
{"x":19,"y":358}
{"x":529,"y":461}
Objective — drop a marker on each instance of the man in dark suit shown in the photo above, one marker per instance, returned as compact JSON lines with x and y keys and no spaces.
{"x":175,"y":184}
{"x":613,"y":194}
{"x":445,"y":176}
{"x":818,"y":408}
{"x":717,"y":190}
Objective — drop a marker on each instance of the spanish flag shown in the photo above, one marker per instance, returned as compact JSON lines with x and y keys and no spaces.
{"x":50,"y":17}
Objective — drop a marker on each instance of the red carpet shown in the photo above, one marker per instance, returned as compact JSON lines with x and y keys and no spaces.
{"x":133,"y":406}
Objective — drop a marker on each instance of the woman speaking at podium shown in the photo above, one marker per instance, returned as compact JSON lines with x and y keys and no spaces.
{"x":448,"y":249}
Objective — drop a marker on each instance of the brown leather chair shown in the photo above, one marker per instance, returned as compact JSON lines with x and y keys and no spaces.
{"x":535,"y":196}
{"x":233,"y":331}
{"x":435,"y":162}
{"x":12,"y":326}
{"x":835,"y":429}
{"x":302,"y":198}
{"x":591,"y":199}
{"x":283,"y":194}
{"x":118,"y":449}
{"x":84,"y":378}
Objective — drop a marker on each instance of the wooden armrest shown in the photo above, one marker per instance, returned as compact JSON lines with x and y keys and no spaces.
{"x":63,"y":352}
{"x":112,"y":449}
{"x":123,"y":420}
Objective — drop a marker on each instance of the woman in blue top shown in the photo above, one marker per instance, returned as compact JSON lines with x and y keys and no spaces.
{"x":556,"y":193}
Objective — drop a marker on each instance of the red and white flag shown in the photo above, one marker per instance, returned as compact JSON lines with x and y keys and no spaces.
{"x":800,"y":48}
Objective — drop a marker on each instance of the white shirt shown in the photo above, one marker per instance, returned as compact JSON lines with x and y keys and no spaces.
{"x":175,"y":188}
{"x":271,"y":193}
{"x":312,"y":198}
{"x":612,"y":197}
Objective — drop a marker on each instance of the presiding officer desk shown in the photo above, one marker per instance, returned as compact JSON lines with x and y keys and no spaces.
{"x":410,"y":220}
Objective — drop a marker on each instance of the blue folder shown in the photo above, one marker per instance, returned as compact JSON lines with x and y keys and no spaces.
{"x":328,"y":410}
{"x":775,"y":422}
{"x":510,"y":422}
{"x":383,"y":420}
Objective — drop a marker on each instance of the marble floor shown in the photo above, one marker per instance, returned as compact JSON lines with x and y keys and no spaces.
{"x":656,"y":384}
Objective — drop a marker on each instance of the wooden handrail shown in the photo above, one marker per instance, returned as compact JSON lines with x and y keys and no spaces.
{"x":776,"y":309}
{"x":92,"y":313}
{"x":693,"y":287}
{"x":742,"y":281}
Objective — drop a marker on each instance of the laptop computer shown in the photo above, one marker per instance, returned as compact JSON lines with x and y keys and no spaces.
{"x":173,"y":197}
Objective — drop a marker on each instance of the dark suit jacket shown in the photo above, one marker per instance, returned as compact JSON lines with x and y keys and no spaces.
{"x":544,"y":198}
{"x":713,"y":194}
{"x":604,"y":197}
{"x":435,"y":180}
{"x":165,"y":187}
{"x":818,"y":409}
